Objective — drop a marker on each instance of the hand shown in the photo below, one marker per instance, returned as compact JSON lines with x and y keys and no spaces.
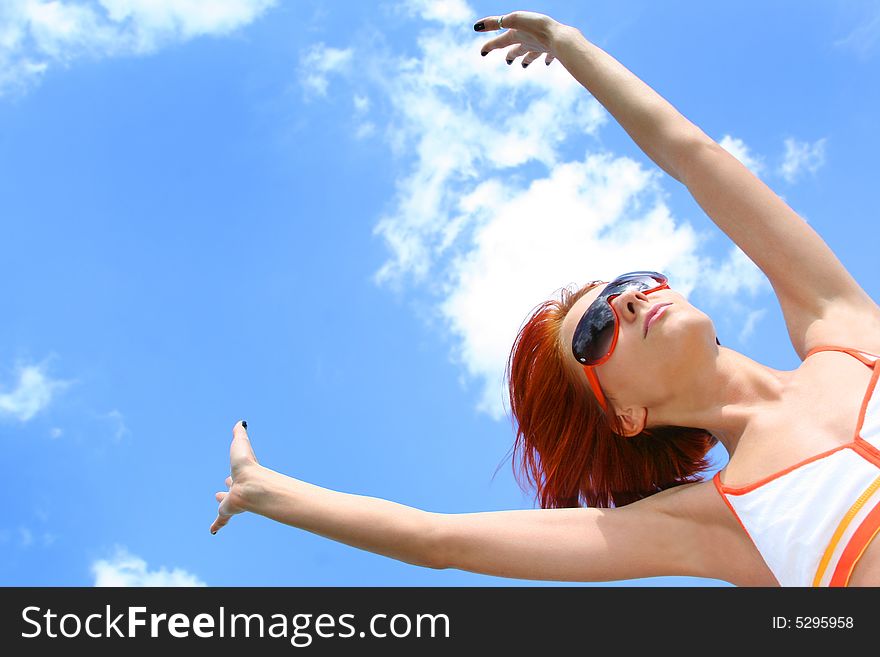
{"x":529,"y":34}
{"x":243,"y":466}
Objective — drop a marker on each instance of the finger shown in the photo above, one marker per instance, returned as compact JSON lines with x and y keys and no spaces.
{"x":549,"y":58}
{"x":502,"y":41}
{"x":228,"y":482}
{"x":529,"y":58}
{"x":490,"y":23}
{"x":219,"y":496}
{"x":219,"y":523}
{"x":513,"y":53}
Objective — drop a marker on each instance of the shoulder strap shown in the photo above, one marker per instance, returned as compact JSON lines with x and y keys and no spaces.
{"x":864,"y":357}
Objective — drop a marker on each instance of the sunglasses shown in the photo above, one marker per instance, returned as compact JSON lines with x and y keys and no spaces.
{"x":596,"y":334}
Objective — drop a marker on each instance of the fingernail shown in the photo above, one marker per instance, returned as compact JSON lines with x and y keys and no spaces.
{"x":484,"y":54}
{"x":244,"y":424}
{"x":509,"y":61}
{"x":547,"y":63}
{"x":212,"y":533}
{"x":479,"y":27}
{"x":524,"y":65}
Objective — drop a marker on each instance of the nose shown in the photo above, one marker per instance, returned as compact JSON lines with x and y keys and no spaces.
{"x":631,"y":304}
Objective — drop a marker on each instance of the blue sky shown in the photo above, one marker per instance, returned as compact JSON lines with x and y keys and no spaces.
{"x":330,"y":218}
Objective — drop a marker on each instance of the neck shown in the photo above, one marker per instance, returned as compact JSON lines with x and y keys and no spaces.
{"x":724,"y":399}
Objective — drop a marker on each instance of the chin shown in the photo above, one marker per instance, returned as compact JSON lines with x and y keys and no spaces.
{"x":691,"y":336}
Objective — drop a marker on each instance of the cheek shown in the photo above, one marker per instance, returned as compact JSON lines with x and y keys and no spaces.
{"x":627,"y":364}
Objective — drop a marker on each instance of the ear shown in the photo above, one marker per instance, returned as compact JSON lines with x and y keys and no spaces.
{"x":632,"y":421}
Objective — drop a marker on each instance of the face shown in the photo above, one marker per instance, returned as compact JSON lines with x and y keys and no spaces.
{"x":643,"y":369}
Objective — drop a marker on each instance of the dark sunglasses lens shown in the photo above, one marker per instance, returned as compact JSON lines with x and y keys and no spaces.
{"x":594,"y":333}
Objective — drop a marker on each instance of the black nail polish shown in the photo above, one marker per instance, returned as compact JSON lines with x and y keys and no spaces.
{"x":244,"y":424}
{"x":484,"y":54}
{"x":212,"y":533}
{"x":524,"y":65}
{"x":547,"y":63}
{"x":509,"y":62}
{"x":479,"y":27}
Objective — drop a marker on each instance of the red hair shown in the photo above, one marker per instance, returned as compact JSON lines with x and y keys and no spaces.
{"x":569,"y":450}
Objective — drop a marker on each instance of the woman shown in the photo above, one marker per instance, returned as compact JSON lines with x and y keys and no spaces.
{"x":620,"y":390}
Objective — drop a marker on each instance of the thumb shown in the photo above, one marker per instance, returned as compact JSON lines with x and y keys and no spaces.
{"x":241,"y":449}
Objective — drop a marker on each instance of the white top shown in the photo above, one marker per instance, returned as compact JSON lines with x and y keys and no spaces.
{"x":812,"y":521}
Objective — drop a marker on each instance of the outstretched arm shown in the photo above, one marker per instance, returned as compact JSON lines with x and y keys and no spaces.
{"x":644,"y":539}
{"x":369,"y":523}
{"x":820,"y":300}
{"x":573,"y":545}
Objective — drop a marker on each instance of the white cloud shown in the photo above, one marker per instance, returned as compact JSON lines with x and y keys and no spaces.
{"x":318,"y":62}
{"x":454,"y":12}
{"x":117,"y":420}
{"x":37,"y":34}
{"x":737,"y":272}
{"x":125,"y":569}
{"x":504,"y":198}
{"x":752,"y":320}
{"x":365,"y":130}
{"x":361,"y":103}
{"x":586,"y":220}
{"x":731,"y":279}
{"x":466,"y":119}
{"x":800,"y":156}
{"x":865,"y":37}
{"x":740,"y":151}
{"x":32,"y":393}
{"x":27,"y":539}
{"x":152,"y":22}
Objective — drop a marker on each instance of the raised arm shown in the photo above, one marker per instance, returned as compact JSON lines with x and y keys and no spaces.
{"x":821,"y":302}
{"x":657,"y":127}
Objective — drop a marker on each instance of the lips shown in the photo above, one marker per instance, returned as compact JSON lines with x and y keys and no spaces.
{"x":651,"y":313}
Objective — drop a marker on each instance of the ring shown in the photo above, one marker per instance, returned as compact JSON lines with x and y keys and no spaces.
{"x":500,"y":26}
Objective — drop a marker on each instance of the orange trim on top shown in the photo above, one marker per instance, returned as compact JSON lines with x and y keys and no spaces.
{"x":862,"y":448}
{"x":855,"y":353}
{"x":742,"y":490}
{"x":867,"y":451}
{"x":872,"y":384}
{"x":856,"y":547}
{"x":717,"y":481}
